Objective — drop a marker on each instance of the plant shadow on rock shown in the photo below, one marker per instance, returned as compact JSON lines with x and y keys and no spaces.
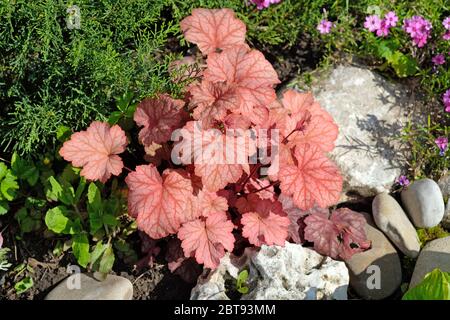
{"x":383,"y":134}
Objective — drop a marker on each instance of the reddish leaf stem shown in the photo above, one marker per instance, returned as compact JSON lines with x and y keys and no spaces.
{"x":275,"y":183}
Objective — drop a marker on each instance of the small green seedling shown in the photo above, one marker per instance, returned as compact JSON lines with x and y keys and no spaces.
{"x":241,"y":284}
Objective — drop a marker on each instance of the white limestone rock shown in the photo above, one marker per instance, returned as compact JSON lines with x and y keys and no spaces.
{"x":278,"y":273}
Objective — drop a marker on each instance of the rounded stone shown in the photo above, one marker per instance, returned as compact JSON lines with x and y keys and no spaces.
{"x":424,"y":203}
{"x":435,"y":254}
{"x":376,"y":273}
{"x":444,"y":185}
{"x":392,"y":220}
{"x":79,"y":286}
{"x":446,"y":219}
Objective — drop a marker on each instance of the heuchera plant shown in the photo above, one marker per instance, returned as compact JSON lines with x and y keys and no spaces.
{"x":211,"y":206}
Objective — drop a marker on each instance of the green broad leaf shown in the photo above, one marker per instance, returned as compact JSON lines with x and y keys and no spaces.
{"x":68,"y":195}
{"x":94,"y":197}
{"x":80,"y":248}
{"x":57,"y":220}
{"x":107,"y":260}
{"x":29,"y":217}
{"x":55,"y":189}
{"x":97,"y":252}
{"x":63,"y":133}
{"x":3,"y":170}
{"x":94,"y":208}
{"x":95,"y":221}
{"x":4,"y":207}
{"x":131,"y":110}
{"x":76,"y":227}
{"x":62,"y":191}
{"x":403,"y":65}
{"x":435,"y":286}
{"x":110,"y":220}
{"x":80,"y":190}
{"x":115,"y":117}
{"x":24,"y":285}
{"x":386,"y":48}
{"x":70,"y":174}
{"x":9,"y":186}
{"x":112,"y":205}
{"x":384,"y":51}
{"x":26,"y":224}
{"x":24,"y":170}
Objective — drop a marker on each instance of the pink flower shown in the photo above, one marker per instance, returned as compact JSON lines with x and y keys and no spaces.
{"x":383,"y":31}
{"x":446,"y":23}
{"x":261,"y":4}
{"x":391,"y":19}
{"x":403,"y":181}
{"x":446,"y":35}
{"x":419,"y":29}
{"x":1,"y":240}
{"x":446,"y":98}
{"x":442,"y":143}
{"x":372,"y":23}
{"x":438,"y":59}
{"x":324,"y":26}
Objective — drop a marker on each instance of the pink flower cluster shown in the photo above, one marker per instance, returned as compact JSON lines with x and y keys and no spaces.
{"x":446,"y":24}
{"x":446,"y":100}
{"x":380,"y":26}
{"x":419,"y":29}
{"x":324,"y":26}
{"x":438,"y":59}
{"x":442,"y":144}
{"x":261,"y":4}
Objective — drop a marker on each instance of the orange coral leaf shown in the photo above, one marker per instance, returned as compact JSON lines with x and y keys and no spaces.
{"x":207,"y":238}
{"x":315,"y":180}
{"x":213,"y":30}
{"x":159,"y":203}
{"x":96,"y":150}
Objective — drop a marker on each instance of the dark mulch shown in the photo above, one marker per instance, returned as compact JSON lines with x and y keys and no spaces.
{"x":151,"y":283}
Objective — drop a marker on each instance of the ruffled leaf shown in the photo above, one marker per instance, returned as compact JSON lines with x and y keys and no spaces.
{"x":212,"y":101}
{"x":158,"y":202}
{"x":339,"y":236}
{"x":158,"y":116}
{"x":269,"y":229}
{"x":315,"y":180}
{"x":207,"y":238}
{"x":252,"y":75}
{"x":213,"y":30}
{"x":96,"y":150}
